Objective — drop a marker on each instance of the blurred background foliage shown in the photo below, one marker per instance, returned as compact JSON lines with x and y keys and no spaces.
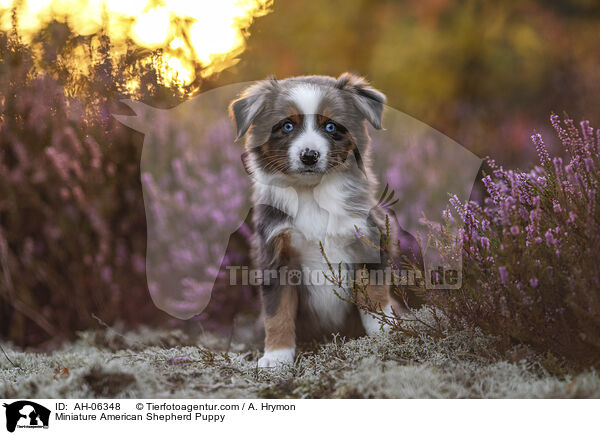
{"x":72,"y":224}
{"x":485,"y":73}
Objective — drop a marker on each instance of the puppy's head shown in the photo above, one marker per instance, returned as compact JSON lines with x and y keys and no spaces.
{"x":303,"y":127}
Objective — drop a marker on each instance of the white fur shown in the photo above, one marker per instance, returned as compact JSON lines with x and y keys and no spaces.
{"x":318,"y":212}
{"x":274,"y":190}
{"x":319,"y":216}
{"x":307,"y":98}
{"x":331,"y":311}
{"x":277,"y":358}
{"x":372,"y":324}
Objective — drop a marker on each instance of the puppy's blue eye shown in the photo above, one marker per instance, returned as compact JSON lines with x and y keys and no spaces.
{"x":288,"y":126}
{"x":330,"y":127}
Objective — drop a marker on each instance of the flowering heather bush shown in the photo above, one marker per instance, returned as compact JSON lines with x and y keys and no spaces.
{"x":531,"y":252}
{"x":72,"y":223}
{"x":191,"y":202}
{"x":70,"y":209}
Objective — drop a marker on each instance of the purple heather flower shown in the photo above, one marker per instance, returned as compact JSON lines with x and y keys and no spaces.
{"x":550,"y":240}
{"x":533,"y":282}
{"x":569,"y":170}
{"x":541,"y":149}
{"x":514,"y":230}
{"x":589,"y":164}
{"x":179,"y":197}
{"x":562,"y":134}
{"x":558,"y":166}
{"x":485,"y":242}
{"x":556,"y":206}
{"x":460,"y":209}
{"x":588,"y":132}
{"x":503,"y":274}
{"x":485,"y":224}
{"x":492,"y":188}
{"x":106,"y":274}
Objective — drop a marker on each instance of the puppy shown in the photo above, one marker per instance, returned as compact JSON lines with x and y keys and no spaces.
{"x":307,"y":151}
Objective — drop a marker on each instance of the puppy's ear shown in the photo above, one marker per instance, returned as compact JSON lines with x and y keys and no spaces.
{"x":244,"y":110}
{"x":250,"y":103}
{"x":368,"y":100}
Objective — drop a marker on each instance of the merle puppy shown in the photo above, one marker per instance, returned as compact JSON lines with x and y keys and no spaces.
{"x":307,"y":151}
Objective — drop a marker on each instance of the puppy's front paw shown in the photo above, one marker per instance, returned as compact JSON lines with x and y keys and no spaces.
{"x":277,"y":358}
{"x":372,"y":324}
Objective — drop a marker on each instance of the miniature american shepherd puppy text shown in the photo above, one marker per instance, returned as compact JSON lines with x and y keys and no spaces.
{"x":307,"y":151}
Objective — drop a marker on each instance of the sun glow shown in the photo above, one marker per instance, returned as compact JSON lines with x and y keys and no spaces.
{"x":198,"y":37}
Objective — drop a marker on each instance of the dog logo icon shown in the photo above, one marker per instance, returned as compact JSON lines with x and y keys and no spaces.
{"x":26,"y":414}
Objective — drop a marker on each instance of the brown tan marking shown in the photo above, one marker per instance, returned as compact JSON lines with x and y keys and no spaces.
{"x":378,"y":295}
{"x":322,"y":119}
{"x":272,"y":154}
{"x":280,"y":321}
{"x":295,"y":117}
{"x":282,"y":249}
{"x":280,"y":328}
{"x":340,"y":153}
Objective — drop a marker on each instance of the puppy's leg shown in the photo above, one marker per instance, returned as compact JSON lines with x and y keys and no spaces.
{"x":379,"y":298}
{"x":281,"y":305}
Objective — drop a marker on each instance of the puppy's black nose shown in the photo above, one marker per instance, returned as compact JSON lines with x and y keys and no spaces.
{"x":309,"y":157}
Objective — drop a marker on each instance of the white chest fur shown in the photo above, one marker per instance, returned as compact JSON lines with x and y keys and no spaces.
{"x":319,"y":215}
{"x":321,"y":219}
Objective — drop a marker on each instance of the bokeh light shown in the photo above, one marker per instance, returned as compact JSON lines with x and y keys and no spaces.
{"x":195,"y":39}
